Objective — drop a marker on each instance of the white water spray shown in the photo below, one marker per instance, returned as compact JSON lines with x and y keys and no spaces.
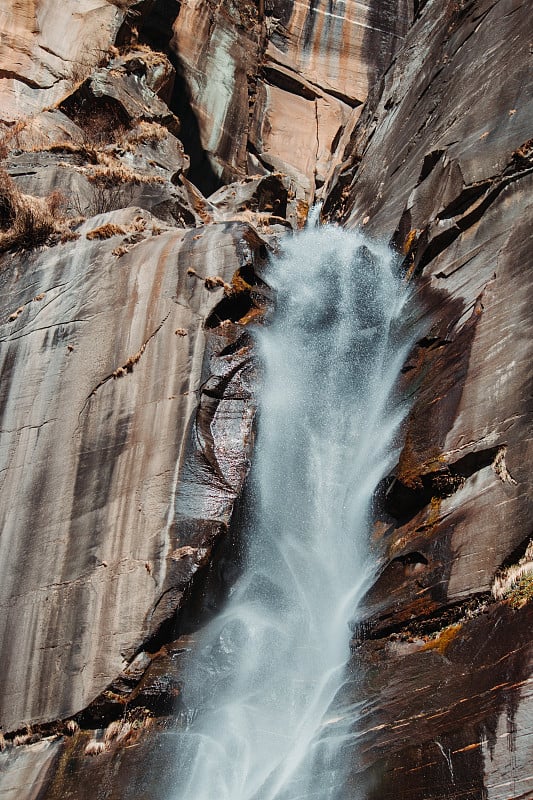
{"x":268,"y":667}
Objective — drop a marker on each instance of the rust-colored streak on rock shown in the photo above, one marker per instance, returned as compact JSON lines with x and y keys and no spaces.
{"x":449,"y":729}
{"x":120,"y":498}
{"x":305,"y":50}
{"x":112,"y":466}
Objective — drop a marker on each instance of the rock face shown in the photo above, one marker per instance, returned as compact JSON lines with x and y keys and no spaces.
{"x":38,"y":62}
{"x":458,"y":200}
{"x":452,"y":183}
{"x":128,"y":380}
{"x":102,"y":357}
{"x":279,"y":95}
{"x":125,"y":380}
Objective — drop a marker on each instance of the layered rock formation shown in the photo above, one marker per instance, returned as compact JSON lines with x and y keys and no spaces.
{"x":125,"y":381}
{"x":280,"y":95}
{"x":128,"y":380}
{"x":46,"y":48}
{"x":452,"y":180}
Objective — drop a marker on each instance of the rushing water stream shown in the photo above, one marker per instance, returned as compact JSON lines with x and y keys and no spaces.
{"x":267,"y":668}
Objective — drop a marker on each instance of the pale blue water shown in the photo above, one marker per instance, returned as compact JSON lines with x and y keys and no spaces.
{"x":327,"y":432}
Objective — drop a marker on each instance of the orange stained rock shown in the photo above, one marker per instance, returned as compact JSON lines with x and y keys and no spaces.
{"x":443,"y":639}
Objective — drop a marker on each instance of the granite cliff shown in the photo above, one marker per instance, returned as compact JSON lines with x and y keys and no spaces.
{"x":153,"y":154}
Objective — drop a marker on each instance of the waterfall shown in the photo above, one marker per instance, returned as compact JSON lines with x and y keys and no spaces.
{"x":269,"y":665}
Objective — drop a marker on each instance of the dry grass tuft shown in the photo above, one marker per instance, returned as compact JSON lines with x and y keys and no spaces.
{"x":26,"y":221}
{"x":72,"y":727}
{"x":130,"y":363}
{"x":10,"y":137}
{"x":74,"y":148}
{"x":138,"y":225}
{"x":106,"y":231}
{"x":516,"y":582}
{"x":214,"y":281}
{"x":112,"y":730}
{"x":147,"y":132}
{"x":113,"y":172}
{"x":26,"y":738}
{"x":69,"y":236}
{"x":110,"y":229}
{"x":126,"y":734}
{"x":112,"y":186}
{"x":15,"y":314}
{"x":95,"y":748}
{"x":121,"y":732}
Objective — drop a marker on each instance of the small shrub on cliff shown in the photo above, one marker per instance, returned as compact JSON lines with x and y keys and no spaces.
{"x":522,"y":591}
{"x":147,"y":133}
{"x":94,"y":748}
{"x":103,"y":196}
{"x":10,"y":137}
{"x":106,"y":231}
{"x":25,"y":221}
{"x":515,"y":583}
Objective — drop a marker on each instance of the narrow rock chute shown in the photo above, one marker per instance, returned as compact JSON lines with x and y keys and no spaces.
{"x":267,"y":668}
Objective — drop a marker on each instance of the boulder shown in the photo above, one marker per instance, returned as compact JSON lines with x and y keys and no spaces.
{"x":46,"y":48}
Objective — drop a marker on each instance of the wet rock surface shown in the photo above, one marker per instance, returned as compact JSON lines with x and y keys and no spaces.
{"x":456,"y":498}
{"x":449,"y":715}
{"x":128,"y":377}
{"x":452,"y":181}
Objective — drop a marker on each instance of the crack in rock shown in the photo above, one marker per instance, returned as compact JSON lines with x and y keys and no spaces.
{"x":126,"y":368}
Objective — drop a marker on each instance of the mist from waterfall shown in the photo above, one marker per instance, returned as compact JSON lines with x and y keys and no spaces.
{"x":267,"y":668}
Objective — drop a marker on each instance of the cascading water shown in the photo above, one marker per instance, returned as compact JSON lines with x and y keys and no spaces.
{"x":268,"y":667}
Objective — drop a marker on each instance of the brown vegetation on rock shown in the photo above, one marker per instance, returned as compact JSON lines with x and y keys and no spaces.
{"x":26,"y":221}
{"x":516,"y":581}
{"x":147,"y":132}
{"x":106,"y":231}
{"x":447,"y":662}
{"x":443,"y":638}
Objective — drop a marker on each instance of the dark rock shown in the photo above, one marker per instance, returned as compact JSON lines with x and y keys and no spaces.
{"x":128,"y":376}
{"x":451,"y":178}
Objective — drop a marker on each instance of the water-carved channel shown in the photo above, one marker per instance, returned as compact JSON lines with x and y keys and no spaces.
{"x":267,"y":668}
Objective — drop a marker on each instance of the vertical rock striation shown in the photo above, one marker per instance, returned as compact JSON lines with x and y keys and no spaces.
{"x":441,"y":160}
{"x":101,"y":369}
{"x":125,"y":378}
{"x":128,"y":378}
{"x":273,"y":86}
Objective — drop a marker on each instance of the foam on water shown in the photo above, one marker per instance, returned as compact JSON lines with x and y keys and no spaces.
{"x":268,"y":667}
